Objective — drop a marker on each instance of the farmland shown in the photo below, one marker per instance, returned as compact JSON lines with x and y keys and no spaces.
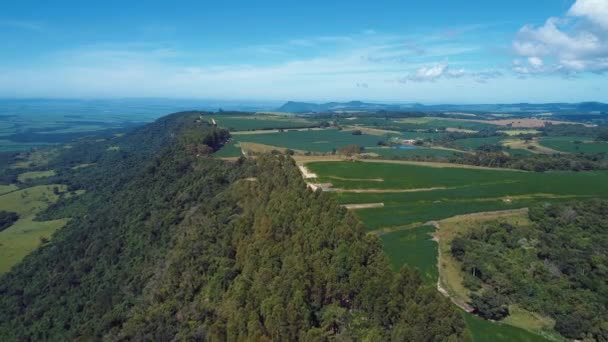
{"x":414,"y":194}
{"x":575,"y":145}
{"x":313,"y":141}
{"x":260,"y":122}
{"x":444,"y":192}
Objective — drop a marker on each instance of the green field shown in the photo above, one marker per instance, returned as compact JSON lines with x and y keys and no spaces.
{"x":313,"y":141}
{"x":450,"y":191}
{"x":229,"y":150}
{"x":25,"y":235}
{"x":7,"y":188}
{"x":433,"y":122}
{"x":575,"y":145}
{"x":466,"y":190}
{"x":26,"y":176}
{"x":413,"y":247}
{"x":473,"y":143}
{"x":482,"y":331}
{"x":260,"y":122}
{"x":410,"y":152}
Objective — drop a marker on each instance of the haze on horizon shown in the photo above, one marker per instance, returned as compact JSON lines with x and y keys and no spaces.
{"x":431,"y":52}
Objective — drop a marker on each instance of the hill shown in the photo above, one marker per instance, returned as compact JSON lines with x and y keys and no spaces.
{"x":169,"y":243}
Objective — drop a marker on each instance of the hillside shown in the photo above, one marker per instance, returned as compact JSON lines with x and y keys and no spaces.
{"x":170,"y":243}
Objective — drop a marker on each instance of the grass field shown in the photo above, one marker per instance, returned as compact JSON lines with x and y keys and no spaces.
{"x":229,"y":150}
{"x":26,"y":176}
{"x":473,"y":143}
{"x":410,"y":152}
{"x":25,"y":235}
{"x":35,"y":158}
{"x":313,"y":141}
{"x":574,"y":145}
{"x":415,"y":248}
{"x":433,"y":122}
{"x":482,"y":331}
{"x":7,"y":188}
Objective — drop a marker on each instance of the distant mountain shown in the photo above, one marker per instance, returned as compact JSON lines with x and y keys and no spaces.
{"x":521,"y":108}
{"x":305,"y":107}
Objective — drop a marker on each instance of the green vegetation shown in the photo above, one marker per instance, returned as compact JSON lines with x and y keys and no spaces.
{"x":259,"y":122}
{"x":314,"y":140}
{"x":414,"y":248}
{"x":556,"y":266}
{"x":230,"y":149}
{"x":482,"y":330}
{"x":449,"y":191}
{"x":575,"y":145}
{"x":7,"y":219}
{"x":170,"y":244}
{"x":410,"y":152}
{"x":27,"y":176}
{"x":475,"y":143}
{"x":7,"y":188}
{"x":25,"y":234}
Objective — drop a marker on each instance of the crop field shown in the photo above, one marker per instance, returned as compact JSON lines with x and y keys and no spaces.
{"x":438,"y":193}
{"x":574,"y":145}
{"x":415,"y":248}
{"x":314,"y":141}
{"x":432,"y":122}
{"x":520,"y":131}
{"x":25,"y":235}
{"x":473,"y":143}
{"x":410,"y":152}
{"x":260,"y":122}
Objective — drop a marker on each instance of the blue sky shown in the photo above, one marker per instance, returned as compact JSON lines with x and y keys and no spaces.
{"x":400,"y":51}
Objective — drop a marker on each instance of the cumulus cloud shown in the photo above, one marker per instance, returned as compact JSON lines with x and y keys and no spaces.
{"x":594,"y":10}
{"x":572,"y":44}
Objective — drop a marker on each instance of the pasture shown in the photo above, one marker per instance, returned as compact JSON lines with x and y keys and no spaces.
{"x":25,"y":235}
{"x":574,"y":145}
{"x":27,"y":176}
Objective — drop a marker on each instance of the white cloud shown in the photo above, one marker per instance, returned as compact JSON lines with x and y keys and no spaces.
{"x":431,"y":73}
{"x":594,"y":10}
{"x":573,"y":44}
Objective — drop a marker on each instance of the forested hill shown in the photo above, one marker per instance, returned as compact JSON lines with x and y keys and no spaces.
{"x":172,"y":244}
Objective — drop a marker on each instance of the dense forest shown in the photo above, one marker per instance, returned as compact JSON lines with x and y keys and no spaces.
{"x":169,"y":243}
{"x":557,"y":266}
